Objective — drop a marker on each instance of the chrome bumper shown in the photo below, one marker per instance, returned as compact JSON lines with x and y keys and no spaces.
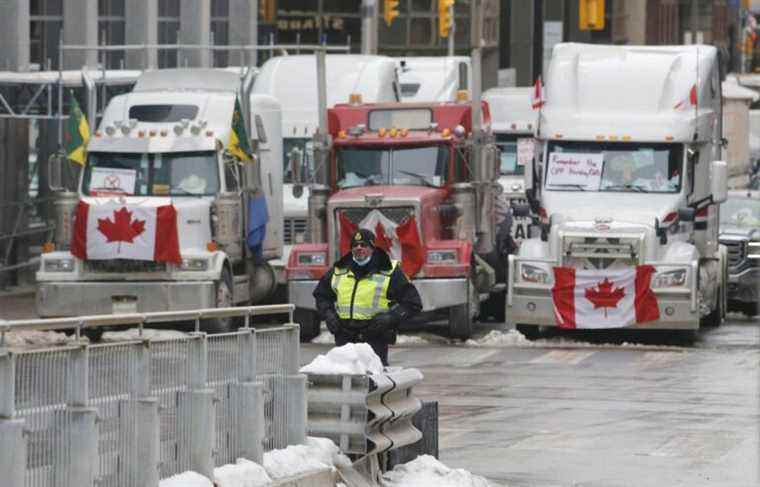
{"x":745,"y":286}
{"x":534,"y":306}
{"x":435,"y":293}
{"x":55,"y":299}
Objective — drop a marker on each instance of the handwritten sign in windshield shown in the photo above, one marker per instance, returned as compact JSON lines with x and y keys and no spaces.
{"x":582,"y":171}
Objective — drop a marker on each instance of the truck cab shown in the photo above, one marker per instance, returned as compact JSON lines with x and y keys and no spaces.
{"x":513,"y":123}
{"x":414,"y":175}
{"x":626,"y":176}
{"x":160,"y":171}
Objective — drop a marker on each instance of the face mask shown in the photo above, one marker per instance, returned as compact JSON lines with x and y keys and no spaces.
{"x":363,"y":262}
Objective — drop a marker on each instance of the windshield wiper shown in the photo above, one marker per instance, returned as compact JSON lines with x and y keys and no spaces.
{"x":631,"y":187}
{"x":579,"y":187}
{"x":421,"y":177}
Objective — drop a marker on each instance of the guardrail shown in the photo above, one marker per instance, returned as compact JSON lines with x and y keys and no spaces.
{"x":128,"y":413}
{"x":365,"y":414}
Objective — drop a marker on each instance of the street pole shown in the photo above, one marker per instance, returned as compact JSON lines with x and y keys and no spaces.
{"x":369,"y":26}
{"x":452,"y":30}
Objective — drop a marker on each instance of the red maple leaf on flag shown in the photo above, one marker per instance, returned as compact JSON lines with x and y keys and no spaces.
{"x":122,"y":228}
{"x":603,"y":296}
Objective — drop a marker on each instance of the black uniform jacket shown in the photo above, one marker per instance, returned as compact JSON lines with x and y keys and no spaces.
{"x":402,"y":294}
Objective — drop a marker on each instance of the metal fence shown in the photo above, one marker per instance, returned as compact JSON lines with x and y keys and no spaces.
{"x":126,"y":414}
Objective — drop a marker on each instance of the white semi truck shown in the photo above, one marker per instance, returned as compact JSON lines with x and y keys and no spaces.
{"x":627,"y":178}
{"x":427,"y":78}
{"x":513,"y":121}
{"x":165,"y":216}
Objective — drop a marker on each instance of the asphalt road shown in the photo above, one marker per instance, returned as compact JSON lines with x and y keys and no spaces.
{"x":623,"y":411}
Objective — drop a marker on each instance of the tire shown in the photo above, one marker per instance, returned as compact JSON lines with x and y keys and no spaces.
{"x":749,"y":309}
{"x":460,"y":321}
{"x":94,"y":334}
{"x":309,"y":323}
{"x":223,"y":300}
{"x":494,"y":307}
{"x":715,"y":318}
{"x":531,"y":332}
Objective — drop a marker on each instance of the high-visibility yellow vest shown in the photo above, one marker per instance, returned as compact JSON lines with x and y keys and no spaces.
{"x":369,"y":296}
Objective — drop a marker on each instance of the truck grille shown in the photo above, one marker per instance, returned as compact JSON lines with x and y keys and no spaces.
{"x":293,"y":226}
{"x":737,"y":251}
{"x":602,"y":252}
{"x":397,"y":214}
{"x":123,"y":266}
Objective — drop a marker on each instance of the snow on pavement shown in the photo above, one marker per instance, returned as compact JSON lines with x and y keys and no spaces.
{"x":351,"y":358}
{"x":243,"y":473}
{"x":36,"y":338}
{"x":186,"y":479}
{"x":426,"y":471}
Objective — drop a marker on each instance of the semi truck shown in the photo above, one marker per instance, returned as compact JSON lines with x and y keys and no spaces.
{"x":422,"y":177}
{"x":428,"y":78}
{"x":513,"y":121}
{"x":628,"y":184}
{"x":168,"y":215}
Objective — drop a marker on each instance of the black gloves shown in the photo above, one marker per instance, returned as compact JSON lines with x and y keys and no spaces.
{"x":389,"y":320}
{"x":332,"y":321}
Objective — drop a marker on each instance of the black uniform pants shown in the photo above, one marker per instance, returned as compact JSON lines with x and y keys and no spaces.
{"x":379,"y":345}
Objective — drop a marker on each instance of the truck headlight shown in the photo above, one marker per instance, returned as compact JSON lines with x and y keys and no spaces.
{"x":196,"y":265}
{"x":59,"y":265}
{"x":534,"y":274}
{"x":438,"y":257}
{"x":673,"y":278}
{"x":312,"y":258}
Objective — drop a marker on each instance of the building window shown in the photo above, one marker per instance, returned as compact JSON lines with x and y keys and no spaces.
{"x":220,"y":30}
{"x":45,"y":26}
{"x":111,"y":31}
{"x":168,"y":32}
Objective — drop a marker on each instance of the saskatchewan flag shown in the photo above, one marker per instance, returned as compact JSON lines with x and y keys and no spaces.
{"x":239,"y":144}
{"x":77,"y":134}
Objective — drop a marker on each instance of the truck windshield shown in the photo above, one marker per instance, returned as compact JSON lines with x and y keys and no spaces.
{"x":740,"y":212}
{"x":158,"y":174}
{"x":303,"y":144}
{"x":616,"y":167}
{"x":413,"y":166}
{"x":507,"y":144}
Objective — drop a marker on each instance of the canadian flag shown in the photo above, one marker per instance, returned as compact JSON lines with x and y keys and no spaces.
{"x":537,"y":96}
{"x":688,"y":102}
{"x":604,"y":299}
{"x":401,"y":241}
{"x":114,"y":230}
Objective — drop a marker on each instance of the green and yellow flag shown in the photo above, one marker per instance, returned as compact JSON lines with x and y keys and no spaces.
{"x":239,"y":144}
{"x":77,"y":134}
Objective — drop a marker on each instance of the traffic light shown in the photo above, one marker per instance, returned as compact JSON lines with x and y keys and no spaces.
{"x":267,"y":10}
{"x":591,"y":14}
{"x":390,"y":11}
{"x":445,"y":17}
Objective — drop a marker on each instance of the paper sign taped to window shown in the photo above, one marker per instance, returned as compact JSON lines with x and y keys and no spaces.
{"x":526,"y":149}
{"x":107,"y":179}
{"x":579,"y":170}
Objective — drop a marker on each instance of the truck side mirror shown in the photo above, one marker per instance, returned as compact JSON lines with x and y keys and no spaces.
{"x":295,"y":159}
{"x":55,"y":172}
{"x":686,"y":214}
{"x":719,"y":181}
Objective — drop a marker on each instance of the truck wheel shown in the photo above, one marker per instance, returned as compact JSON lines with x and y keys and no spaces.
{"x":749,"y":309}
{"x":94,"y":334}
{"x":531,"y":332}
{"x":714,"y":319}
{"x":223,"y":300}
{"x":494,"y":306}
{"x":460,"y":321}
{"x":309,"y":323}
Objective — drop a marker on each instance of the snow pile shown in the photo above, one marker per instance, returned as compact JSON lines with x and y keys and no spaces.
{"x":186,"y":479}
{"x":351,"y":358}
{"x":497,"y":338}
{"x":35,"y":338}
{"x":426,"y":471}
{"x":244,"y":473}
{"x":316,"y":454}
{"x":147,"y":333}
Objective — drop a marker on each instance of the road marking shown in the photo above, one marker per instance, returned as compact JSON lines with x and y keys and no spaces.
{"x":660,"y":360}
{"x":470,"y":357}
{"x":568,"y":357}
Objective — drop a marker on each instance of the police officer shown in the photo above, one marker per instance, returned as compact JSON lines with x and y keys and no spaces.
{"x":365,"y":296}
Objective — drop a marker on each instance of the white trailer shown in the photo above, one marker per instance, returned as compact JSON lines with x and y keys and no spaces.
{"x":627,"y":178}
{"x":293,"y":81}
{"x":513,"y":121}
{"x":166,"y":145}
{"x":426,"y":79}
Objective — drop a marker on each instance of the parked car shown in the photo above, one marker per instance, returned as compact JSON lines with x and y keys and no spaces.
{"x":740,"y":233}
